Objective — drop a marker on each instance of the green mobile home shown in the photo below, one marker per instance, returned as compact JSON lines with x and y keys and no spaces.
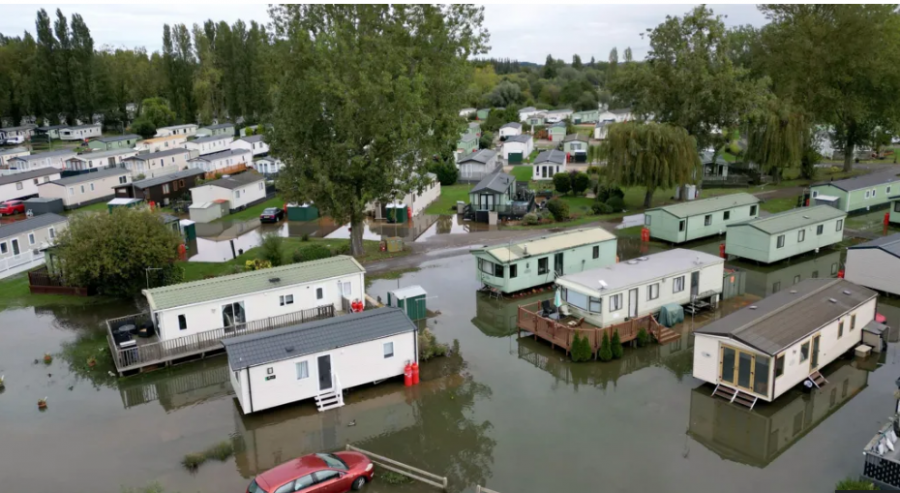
{"x":482,"y":114}
{"x":115,"y":142}
{"x":691,"y":220}
{"x":859,"y":193}
{"x":895,"y":209}
{"x":523,"y":265}
{"x":589,"y":116}
{"x":557,"y":132}
{"x":784,"y":235}
{"x":468,"y":143}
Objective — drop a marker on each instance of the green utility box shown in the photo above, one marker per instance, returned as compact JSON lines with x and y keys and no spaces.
{"x":411,"y":299}
{"x":188,"y":229}
{"x":305,"y":212}
{"x":395,"y":213}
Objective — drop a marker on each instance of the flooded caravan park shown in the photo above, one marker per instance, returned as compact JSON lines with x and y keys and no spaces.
{"x":512,"y":414}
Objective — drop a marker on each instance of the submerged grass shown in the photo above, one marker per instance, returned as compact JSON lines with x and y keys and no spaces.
{"x":14,"y":293}
{"x":391,"y":477}
{"x":85,"y":350}
{"x":220,"y":452}
{"x":391,"y":274}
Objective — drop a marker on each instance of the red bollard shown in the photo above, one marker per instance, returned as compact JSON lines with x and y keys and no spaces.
{"x":887,"y":218}
{"x":645,"y":234}
{"x":415,"y":373}
{"x":722,"y":250}
{"x":407,"y":376}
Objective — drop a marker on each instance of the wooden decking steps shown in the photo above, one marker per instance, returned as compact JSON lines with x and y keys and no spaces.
{"x":666,"y":335}
{"x":817,"y":379}
{"x":736,"y":396}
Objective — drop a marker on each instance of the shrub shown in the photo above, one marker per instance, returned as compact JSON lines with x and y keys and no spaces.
{"x":580,"y":182}
{"x":220,"y":451}
{"x":305,"y":237}
{"x":429,"y":347}
{"x":257,"y":264}
{"x":562,"y":183}
{"x":615,"y":203}
{"x":313,"y":251}
{"x":559,"y":209}
{"x":605,"y":353}
{"x":272,"y":249}
{"x":192,"y":461}
{"x":545,"y":215}
{"x":530,"y":219}
{"x":601,"y":208}
{"x":342,"y":249}
{"x":593,"y":170}
{"x":139,"y":177}
{"x":605,"y":192}
{"x":854,"y":485}
{"x":581,"y":348}
{"x":617,"y":349}
{"x":643,"y":338}
{"x":446,"y":172}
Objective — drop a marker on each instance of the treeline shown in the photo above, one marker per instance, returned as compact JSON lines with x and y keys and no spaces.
{"x":205,"y":72}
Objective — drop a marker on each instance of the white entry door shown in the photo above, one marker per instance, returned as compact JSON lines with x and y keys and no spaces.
{"x":633,"y":303}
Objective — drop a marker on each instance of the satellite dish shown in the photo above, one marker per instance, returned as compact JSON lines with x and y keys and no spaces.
{"x":602,"y":284}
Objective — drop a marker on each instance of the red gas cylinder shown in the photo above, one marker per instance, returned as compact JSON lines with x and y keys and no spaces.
{"x":887,"y":218}
{"x":182,"y":251}
{"x":722,"y":250}
{"x":407,"y":375}
{"x":841,"y":274}
{"x":152,"y":205}
{"x":806,"y":203}
{"x":415,"y":373}
{"x":645,"y":234}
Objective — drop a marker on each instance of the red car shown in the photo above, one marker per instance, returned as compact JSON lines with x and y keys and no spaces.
{"x":11,"y":207}
{"x":320,"y":473}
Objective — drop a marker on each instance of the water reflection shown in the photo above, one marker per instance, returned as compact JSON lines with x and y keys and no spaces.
{"x":759,"y":436}
{"x":179,"y":387}
{"x":452,"y":225}
{"x":498,"y":317}
{"x":765,"y":280}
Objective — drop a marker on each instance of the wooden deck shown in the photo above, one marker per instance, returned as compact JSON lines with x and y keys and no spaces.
{"x":560,"y":334}
{"x":151,"y":353}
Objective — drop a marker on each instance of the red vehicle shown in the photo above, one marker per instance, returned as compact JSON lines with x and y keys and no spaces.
{"x":319,"y":473}
{"x":11,"y":207}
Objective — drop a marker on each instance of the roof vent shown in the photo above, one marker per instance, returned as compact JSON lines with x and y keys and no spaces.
{"x":793,"y":291}
{"x":525,"y":249}
{"x":832,"y":300}
{"x":847,"y":292}
{"x":805,"y":217}
{"x":274,"y":279}
{"x":753,"y":307}
{"x":289,"y":349}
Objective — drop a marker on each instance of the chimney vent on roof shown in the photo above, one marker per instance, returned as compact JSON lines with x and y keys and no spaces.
{"x":289,"y":349}
{"x":274,"y":279}
{"x":753,"y":307}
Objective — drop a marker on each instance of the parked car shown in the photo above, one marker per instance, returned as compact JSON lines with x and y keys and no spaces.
{"x":271,"y":215}
{"x":11,"y":207}
{"x":320,"y":473}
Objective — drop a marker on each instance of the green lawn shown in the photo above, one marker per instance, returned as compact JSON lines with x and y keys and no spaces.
{"x":201,"y":270}
{"x":522,"y":172}
{"x":255,"y":211}
{"x":14,"y":292}
{"x":446,"y":203}
{"x":98,"y":207}
{"x":779,"y":205}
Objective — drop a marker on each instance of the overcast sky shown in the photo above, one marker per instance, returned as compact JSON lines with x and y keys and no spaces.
{"x":526,"y":32}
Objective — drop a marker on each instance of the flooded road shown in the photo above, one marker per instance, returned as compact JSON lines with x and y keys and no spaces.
{"x":511,"y":414}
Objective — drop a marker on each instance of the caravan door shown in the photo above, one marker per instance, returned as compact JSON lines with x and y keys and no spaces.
{"x":325,"y":373}
{"x":633,"y":303}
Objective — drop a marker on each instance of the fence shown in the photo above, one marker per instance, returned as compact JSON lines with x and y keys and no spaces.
{"x":164,"y":351}
{"x":404,"y":469}
{"x":40,"y":281}
{"x":12,"y":265}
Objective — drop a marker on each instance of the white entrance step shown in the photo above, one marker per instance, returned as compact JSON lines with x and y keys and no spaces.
{"x":331,"y":399}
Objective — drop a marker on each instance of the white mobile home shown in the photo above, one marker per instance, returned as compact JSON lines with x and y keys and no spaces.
{"x":241,"y":190}
{"x":80,"y":132}
{"x":160,"y":144}
{"x":221,"y":161}
{"x":638,"y":287}
{"x":52,"y":159}
{"x":517,"y":148}
{"x":267,"y":165}
{"x":22,"y":243}
{"x":231,"y":301}
{"x":320,"y":359}
{"x":554,"y":116}
{"x":22,"y":185}
{"x":210,"y":145}
{"x":765,"y":349}
{"x":99,"y":159}
{"x":254,"y":144}
{"x":510,"y":129}
{"x":187,"y":130}
{"x":478,"y":164}
{"x":161,"y":163}
{"x":876,"y":264}
{"x":7,"y":154}
{"x":86,"y":188}
{"x":547,"y":164}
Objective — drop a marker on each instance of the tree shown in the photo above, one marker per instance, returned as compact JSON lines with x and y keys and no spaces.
{"x":562,"y":183}
{"x":272,"y":249}
{"x":143,"y":127}
{"x":775,"y":139}
{"x":558,"y":207}
{"x":838,"y":62}
{"x":605,"y":353}
{"x":505,"y":94}
{"x":688,"y":79}
{"x":576,"y":62}
{"x":628,"y":58}
{"x":446,"y":171}
{"x":580,"y":182}
{"x":157,"y":112}
{"x":375,"y":88}
{"x":486,"y":141}
{"x":485,"y":79}
{"x":549,"y":68}
{"x":652,"y":155}
{"x":581,"y":348}
{"x":616,"y":346}
{"x":100,"y":251}
{"x":613,"y":60}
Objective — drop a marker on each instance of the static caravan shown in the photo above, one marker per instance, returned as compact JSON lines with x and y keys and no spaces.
{"x":895,"y":210}
{"x":219,"y":129}
{"x":99,"y":159}
{"x":23,"y":185}
{"x":547,"y":164}
{"x":587,"y":116}
{"x":161,"y":189}
{"x":210,"y":145}
{"x":557,"y":132}
{"x":758,"y":437}
{"x":632,"y":289}
{"x":765,"y":349}
{"x":510,"y":129}
{"x":268,"y":165}
{"x":536,"y":262}
{"x":253,"y":143}
{"x":86,"y":188}
{"x":156,"y":164}
{"x":576,"y":146}
{"x":876,"y":264}
{"x":162,"y":144}
{"x":691,"y":220}
{"x":601,"y":129}
{"x":617,"y":116}
{"x":80,"y":132}
{"x":241,"y":191}
{"x":554,"y":116}
{"x":465,"y":112}
{"x":482,"y":113}
{"x":478,"y":164}
{"x":22,"y":243}
{"x":517,"y":148}
{"x":231,"y":301}
{"x":51,"y":131}
{"x":127,"y":141}
{"x":857,"y":194}
{"x":41,"y":160}
{"x":467,"y":144}
{"x":527,"y":112}
{"x":416,"y":200}
{"x":320,"y":359}
{"x":494,"y":192}
{"x":787,"y":234}
{"x":7,"y":154}
{"x":187,"y":130}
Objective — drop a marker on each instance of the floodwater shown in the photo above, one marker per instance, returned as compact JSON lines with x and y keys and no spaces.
{"x":510,"y":414}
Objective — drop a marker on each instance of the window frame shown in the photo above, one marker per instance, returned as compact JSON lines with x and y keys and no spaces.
{"x":779,"y":365}
{"x":615,"y":302}
{"x":182,"y":321}
{"x":650,"y":295}
{"x":726,"y":216}
{"x":779,"y":241}
{"x":513,"y":271}
{"x":595,"y":252}
{"x":820,"y":229}
{"x":839,"y":225}
{"x":385,"y":346}
{"x":801,"y":236}
{"x":546,"y":268}
{"x":840,"y":329}
{"x":676,"y":281}
{"x":852,"y":322}
{"x":301,"y":369}
{"x":31,"y":239}
{"x":595,"y":305}
{"x":320,"y":293}
{"x":804,"y":351}
{"x":753,"y":210}
{"x":707,"y":220}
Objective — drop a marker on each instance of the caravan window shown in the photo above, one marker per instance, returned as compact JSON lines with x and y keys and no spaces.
{"x":707,"y":220}
{"x":615,"y":302}
{"x":648,"y":217}
{"x":801,"y":235}
{"x":302,"y":370}
{"x":840,"y":225}
{"x":543,"y":266}
{"x":678,"y":284}
{"x":752,"y":210}
{"x":498,"y":270}
{"x":820,"y":229}
{"x":897,"y":206}
{"x":596,"y":305}
{"x":233,"y":314}
{"x":596,"y":251}
{"x":804,"y":352}
{"x":182,"y":322}
{"x":726,"y":215}
{"x":513,"y":271}
{"x":388,"y":350}
{"x":486,"y":266}
{"x":681,"y":226}
{"x":780,"y":243}
{"x":779,"y":366}
{"x":653,"y":291}
{"x":575,"y":298}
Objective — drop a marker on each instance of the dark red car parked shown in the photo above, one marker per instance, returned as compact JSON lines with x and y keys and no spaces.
{"x":11,"y":207}
{"x":319,"y":473}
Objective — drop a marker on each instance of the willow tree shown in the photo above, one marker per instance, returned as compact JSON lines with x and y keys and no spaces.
{"x":368,"y":95}
{"x":776,"y":139}
{"x":651,"y":155}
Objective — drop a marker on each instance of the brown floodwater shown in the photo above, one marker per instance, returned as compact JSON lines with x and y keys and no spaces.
{"x":512,"y":414}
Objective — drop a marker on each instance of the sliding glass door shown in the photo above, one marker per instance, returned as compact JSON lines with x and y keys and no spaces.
{"x":745,"y":370}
